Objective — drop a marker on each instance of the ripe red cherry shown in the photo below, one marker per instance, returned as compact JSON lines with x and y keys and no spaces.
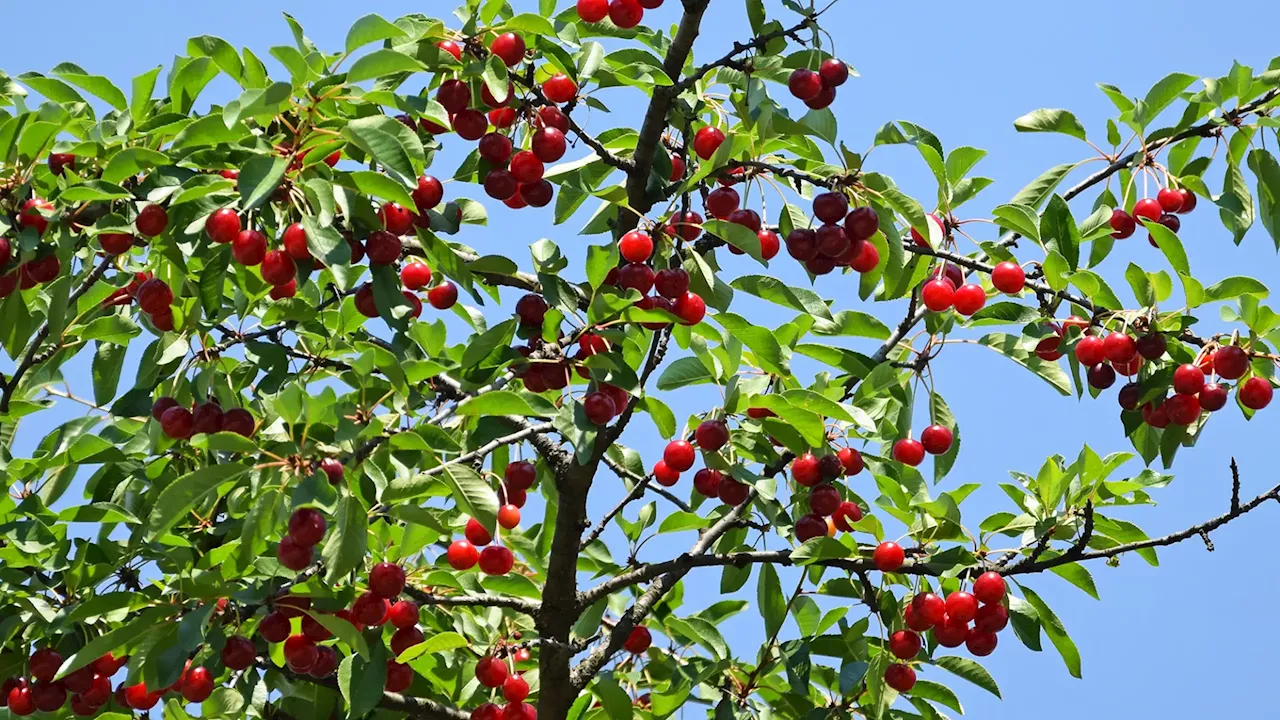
{"x":415,"y":275}
{"x":509,"y":47}
{"x":707,"y":482}
{"x":731,"y":491}
{"x":638,"y":641}
{"x":137,"y":697}
{"x":559,"y":88}
{"x":830,"y":207}
{"x":44,"y":664}
{"x":721,"y":202}
{"x":238,"y":421}
{"x":1122,"y":223}
{"x":1151,"y":346}
{"x":1119,"y":348}
{"x":833,"y":72}
{"x":671,"y":282}
{"x":454,"y":95}
{"x":900,"y":677}
{"x":931,"y":608}
{"x":962,"y":606}
{"x":274,"y":627}
{"x":908,"y":451}
{"x":1129,"y":396}
{"x":500,"y":185}
{"x":112,"y":244}
{"x":154,"y":296}
{"x":1188,"y":201}
{"x":802,"y":244}
{"x":1102,"y":376}
{"x":804,"y":83}
{"x":664,"y":474}
{"x":428,"y":194}
{"x":1231,"y":362}
{"x":526,"y":167}
{"x":59,"y":162}
{"x":805,"y":470}
{"x":536,"y":194}
{"x":936,"y":439}
{"x":443,"y":296}
{"x":707,"y":140}
{"x":1188,"y":379}
{"x":406,"y":637}
{"x":491,"y":671}
{"x":462,"y":555}
{"x":294,"y":240}
{"x":599,"y":408}
{"x":306,"y":526}
{"x":904,"y":644}
{"x":679,"y":455}
{"x":293,"y":555}
{"x":1183,"y":409}
{"x":386,"y":579}
{"x":861,"y":223}
{"x":515,"y":689}
{"x":31,"y":214}
{"x":851,"y":459}
{"x":635,"y":246}
{"x":989,"y":587}
{"x":1213,"y":397}
{"x":1148,"y":208}
{"x":476,"y":533}
{"x":824,"y":499}
{"x":278,"y":268}
{"x":399,"y":677}
{"x":981,"y":644}
{"x":1091,"y":350}
{"x":161,"y":405}
{"x":991,"y":619}
{"x":470,"y":124}
{"x":520,"y":474}
{"x":1170,"y":200}
{"x":1155,"y":414}
{"x":496,"y":560}
{"x":488,"y":711}
{"x":197,"y":684}
{"x":152,"y":220}
{"x":249,"y":248}
{"x":531,"y":309}
{"x":238,"y":653}
{"x":177,"y":423}
{"x":1008,"y":277}
{"x":938,"y":294}
{"x":951,"y":632}
{"x":625,"y":13}
{"x":495,"y":147}
{"x":888,"y":556}
{"x":488,"y":98}
{"x":690,"y":308}
{"x":370,"y":609}
{"x":711,"y":435}
{"x":396,"y":218}
{"x":1255,"y":393}
{"x":822,"y":99}
{"x":383,"y":247}
{"x":548,"y":144}
{"x":508,"y":516}
{"x":845,"y":515}
{"x":832,"y":240}
{"x":969,"y":299}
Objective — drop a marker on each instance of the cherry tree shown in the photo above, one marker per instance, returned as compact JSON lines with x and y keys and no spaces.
{"x":310,"y":499}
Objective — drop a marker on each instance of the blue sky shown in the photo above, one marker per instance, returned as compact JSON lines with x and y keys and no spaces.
{"x":965,"y":71}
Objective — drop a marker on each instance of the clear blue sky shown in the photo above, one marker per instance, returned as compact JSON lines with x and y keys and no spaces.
{"x":1201,"y":621}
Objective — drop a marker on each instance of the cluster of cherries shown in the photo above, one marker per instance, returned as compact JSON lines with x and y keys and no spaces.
{"x":625,"y":14}
{"x":463,"y":554}
{"x":180,"y":423}
{"x":492,"y":672}
{"x":297,"y":548}
{"x":840,"y":241}
{"x":949,"y":620}
{"x":818,"y":89}
{"x":827,"y":510}
{"x":1160,"y":209}
{"x":89,"y":687}
{"x":935,"y":440}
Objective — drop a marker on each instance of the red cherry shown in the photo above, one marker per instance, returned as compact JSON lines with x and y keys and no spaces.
{"x":936,"y":439}
{"x":904,"y":644}
{"x":238,"y":653}
{"x":462,"y":555}
{"x":599,"y":408}
{"x":370,"y":609}
{"x":238,"y":421}
{"x":326,"y":662}
{"x":1122,"y":223}
{"x":399,"y":677}
{"x":731,"y":491}
{"x":1008,"y":277}
{"x":951,"y":632}
{"x":154,"y":296}
{"x":293,"y":555}
{"x":59,"y":162}
{"x":495,"y":147}
{"x":1213,"y":397}
{"x":112,"y":244}
{"x":249,"y":248}
{"x":396,"y":218}
{"x":931,"y":608}
{"x":833,"y":72}
{"x":548,"y":144}
{"x":306,"y":527}
{"x":804,"y":83}
{"x":707,"y":482}
{"x":721,"y":202}
{"x":677,"y":168}
{"x":509,"y":47}
{"x":1188,"y":201}
{"x":638,"y":641}
{"x":938,"y":294}
{"x":161,"y":405}
{"x":1155,"y":414}
{"x":625,"y":14}
{"x":559,"y":88}
{"x":679,"y":455}
{"x":635,"y":246}
{"x":383,"y":247}
{"x":822,"y":99}
{"x":415,"y":275}
{"x":1170,"y":200}
{"x":508,"y":516}
{"x":515,"y":688}
{"x":197,"y":684}
{"x":1148,"y":208}
{"x":152,"y":220}
{"x":1151,"y":346}
{"x":489,"y":711}
{"x":671,"y":282}
{"x":969,"y":299}
{"x":137,"y":697}
{"x":888,"y":556}
{"x":908,"y":451}
{"x":537,"y":194}
{"x":900,"y":677}
{"x":274,"y":627}
{"x":824,"y":500}
{"x":847,"y":514}
{"x":664,"y":474}
{"x":690,"y":308}
{"x":711,"y":435}
{"x":802,"y":244}
{"x":1188,"y":379}
{"x":531,"y":309}
{"x":1091,"y":350}
{"x":487,"y":96}
{"x":830,"y":207}
{"x":44,"y":664}
{"x":1119,"y":348}
{"x":496,"y":560}
{"x":278,"y":268}
{"x":831,"y":240}
{"x":1129,"y":396}
{"x":31,"y":215}
{"x":470,"y":124}
{"x":476,"y":533}
{"x":178,"y":423}
{"x":1102,"y":376}
{"x":443,"y":296}
{"x":851,"y":459}
{"x":989,"y":587}
{"x":406,"y":637}
{"x":1255,"y":393}
{"x":526,"y":167}
{"x":428,"y":194}
{"x":554,"y":117}
{"x":520,"y":474}
{"x":451,"y":47}
{"x":991,"y":619}
{"x":294,"y":241}
{"x":500,"y":185}
{"x":805,"y":470}
{"x":962,"y":606}
{"x":1230,"y":362}
{"x":707,"y":140}
{"x":981,"y":644}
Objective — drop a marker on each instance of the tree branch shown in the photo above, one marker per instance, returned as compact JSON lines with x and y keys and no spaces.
{"x":522,"y":605}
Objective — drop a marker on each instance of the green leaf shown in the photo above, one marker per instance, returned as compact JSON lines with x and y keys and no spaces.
{"x":736,"y":235}
{"x":1267,"y":171}
{"x":361,"y":678}
{"x":1058,"y":231}
{"x":94,"y":84}
{"x":683,"y":372}
{"x":1057,"y":633}
{"x":437,"y":643}
{"x":369,"y":29}
{"x":775,"y":291}
{"x":1022,"y":219}
{"x":852,"y":323}
{"x":180,"y":495}
{"x":381,"y":63}
{"x":1039,"y":190}
{"x":495,"y":78}
{"x":259,"y":178}
{"x":150,"y":619}
{"x":1050,"y":120}
{"x":132,"y":161}
{"x":1234,"y":287}
{"x":969,"y":670}
{"x":600,"y":260}
{"x":472,"y":494}
{"x":343,"y":630}
{"x":1077,"y":575}
{"x":381,"y":186}
{"x":1050,"y":372}
{"x":770,"y":601}
{"x":108,"y":360}
{"x":1160,"y":96}
{"x":505,"y":402}
{"x":389,"y":142}
{"x":346,"y":543}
